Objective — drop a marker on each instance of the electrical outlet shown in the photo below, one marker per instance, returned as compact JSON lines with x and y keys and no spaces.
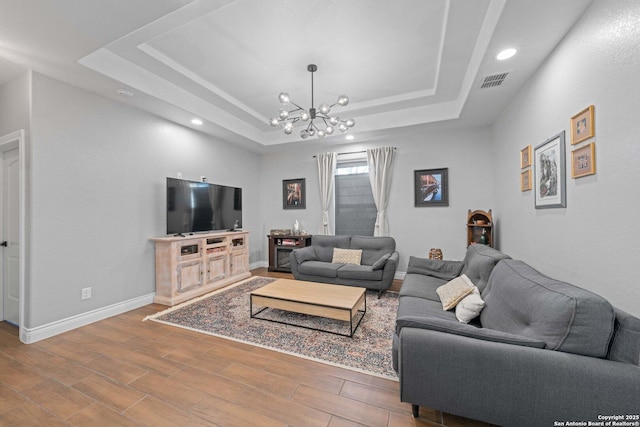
{"x":179,"y":175}
{"x":86,"y":293}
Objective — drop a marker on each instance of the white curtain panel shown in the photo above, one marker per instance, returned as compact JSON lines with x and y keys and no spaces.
{"x":326,"y":170}
{"x":380,"y":161}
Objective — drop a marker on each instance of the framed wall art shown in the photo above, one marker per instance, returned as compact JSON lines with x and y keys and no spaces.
{"x":583,"y":161}
{"x":525,"y":180}
{"x":525,"y":157}
{"x":583,"y":125}
{"x":549,"y":180}
{"x":293,"y":194}
{"x":431,"y":187}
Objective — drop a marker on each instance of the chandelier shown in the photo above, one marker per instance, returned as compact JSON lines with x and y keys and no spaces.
{"x":320,"y":123}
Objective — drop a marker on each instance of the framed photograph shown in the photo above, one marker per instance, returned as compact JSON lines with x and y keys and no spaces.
{"x":525,"y":180}
{"x":583,"y":125}
{"x":293,"y":194}
{"x":431,"y":187}
{"x":583,"y":161}
{"x":549,"y":180}
{"x":525,"y":157}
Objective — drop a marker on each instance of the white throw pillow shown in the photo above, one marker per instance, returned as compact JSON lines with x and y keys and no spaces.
{"x":470,"y":306}
{"x":453,"y":291}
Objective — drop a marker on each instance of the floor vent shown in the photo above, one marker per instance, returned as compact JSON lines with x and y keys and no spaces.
{"x":493,"y":81}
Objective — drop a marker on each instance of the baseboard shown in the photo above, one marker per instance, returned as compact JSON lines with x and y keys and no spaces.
{"x":400,"y":275}
{"x":31,"y":335}
{"x":259,"y":264}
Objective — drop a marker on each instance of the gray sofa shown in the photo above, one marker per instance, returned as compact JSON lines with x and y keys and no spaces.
{"x":375,"y":271}
{"x":541,"y":350}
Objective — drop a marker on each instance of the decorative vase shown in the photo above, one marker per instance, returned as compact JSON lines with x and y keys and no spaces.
{"x":435,"y":253}
{"x":296,"y":227}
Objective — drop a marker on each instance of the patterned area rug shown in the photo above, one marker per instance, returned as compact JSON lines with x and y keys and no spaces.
{"x":225,"y":313}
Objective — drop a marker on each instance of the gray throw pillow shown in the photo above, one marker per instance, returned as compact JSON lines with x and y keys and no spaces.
{"x":379,"y":264}
{"x":305,"y":254}
{"x":445,"y":270}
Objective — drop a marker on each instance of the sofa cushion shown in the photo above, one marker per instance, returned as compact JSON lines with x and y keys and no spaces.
{"x":372,"y":247}
{"x":520,"y":300}
{"x":445,"y":270}
{"x":319,"y":268}
{"x":420,"y":286}
{"x":346,"y":256}
{"x":417,"y":307}
{"x":453,"y":291}
{"x":470,"y":306}
{"x":381,"y":262}
{"x":323,"y":246}
{"x":361,"y":272}
{"x":479,"y":262}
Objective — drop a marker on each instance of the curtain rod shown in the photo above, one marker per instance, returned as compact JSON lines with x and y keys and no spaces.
{"x":352,"y":152}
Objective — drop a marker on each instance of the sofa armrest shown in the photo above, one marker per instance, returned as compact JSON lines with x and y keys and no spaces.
{"x":389,"y":271}
{"x":464,"y":329}
{"x":442,"y":269}
{"x":511,"y":385}
{"x":298,"y":256}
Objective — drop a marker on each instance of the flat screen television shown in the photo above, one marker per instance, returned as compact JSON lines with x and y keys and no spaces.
{"x":194,"y":207}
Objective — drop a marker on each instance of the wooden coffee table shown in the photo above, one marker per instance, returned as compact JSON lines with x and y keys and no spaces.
{"x":316,"y":299}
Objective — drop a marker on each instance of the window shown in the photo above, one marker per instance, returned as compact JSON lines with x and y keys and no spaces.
{"x":355,"y":209}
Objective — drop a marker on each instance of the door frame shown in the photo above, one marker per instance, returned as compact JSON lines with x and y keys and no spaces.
{"x":9,"y":142}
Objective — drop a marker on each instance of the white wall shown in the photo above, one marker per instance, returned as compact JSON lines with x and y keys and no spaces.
{"x":98,"y":195}
{"x":592,"y":243}
{"x":466,"y":152}
{"x":14,"y":105}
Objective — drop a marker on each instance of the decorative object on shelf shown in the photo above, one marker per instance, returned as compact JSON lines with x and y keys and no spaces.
{"x":435,"y":253}
{"x":479,"y":227}
{"x":293,"y":193}
{"x":583,"y":125}
{"x":583,"y":161}
{"x":525,"y":157}
{"x":525,"y":180}
{"x":296,"y":227}
{"x":549,"y":180}
{"x":431,"y":187}
{"x":329,"y":123}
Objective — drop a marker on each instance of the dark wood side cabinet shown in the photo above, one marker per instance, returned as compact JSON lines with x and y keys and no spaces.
{"x":281,"y":246}
{"x":480,"y":228}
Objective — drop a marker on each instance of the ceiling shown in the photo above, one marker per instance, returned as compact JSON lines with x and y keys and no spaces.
{"x":405,"y":64}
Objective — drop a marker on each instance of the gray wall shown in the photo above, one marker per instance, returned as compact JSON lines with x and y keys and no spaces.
{"x":98,"y":195}
{"x":14,"y":105}
{"x":416,"y":230}
{"x":593,"y":242}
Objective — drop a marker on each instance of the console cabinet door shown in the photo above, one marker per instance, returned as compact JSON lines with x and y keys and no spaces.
{"x":216,"y":268}
{"x":189,"y":275}
{"x":239,"y":263}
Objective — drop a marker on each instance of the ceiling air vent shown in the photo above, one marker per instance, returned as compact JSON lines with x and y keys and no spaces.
{"x":493,"y":81}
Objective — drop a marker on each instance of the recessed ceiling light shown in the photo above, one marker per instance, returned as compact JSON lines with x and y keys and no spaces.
{"x":197,"y":122}
{"x":506,"y":54}
{"x":349,"y":137}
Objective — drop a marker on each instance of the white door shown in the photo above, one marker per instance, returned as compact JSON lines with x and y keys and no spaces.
{"x":10,"y":237}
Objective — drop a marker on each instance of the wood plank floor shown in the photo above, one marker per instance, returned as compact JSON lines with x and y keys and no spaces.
{"x":125,"y":372}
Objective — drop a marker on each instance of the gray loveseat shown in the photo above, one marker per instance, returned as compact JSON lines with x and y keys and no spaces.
{"x":376,"y":269}
{"x":541,"y":351}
